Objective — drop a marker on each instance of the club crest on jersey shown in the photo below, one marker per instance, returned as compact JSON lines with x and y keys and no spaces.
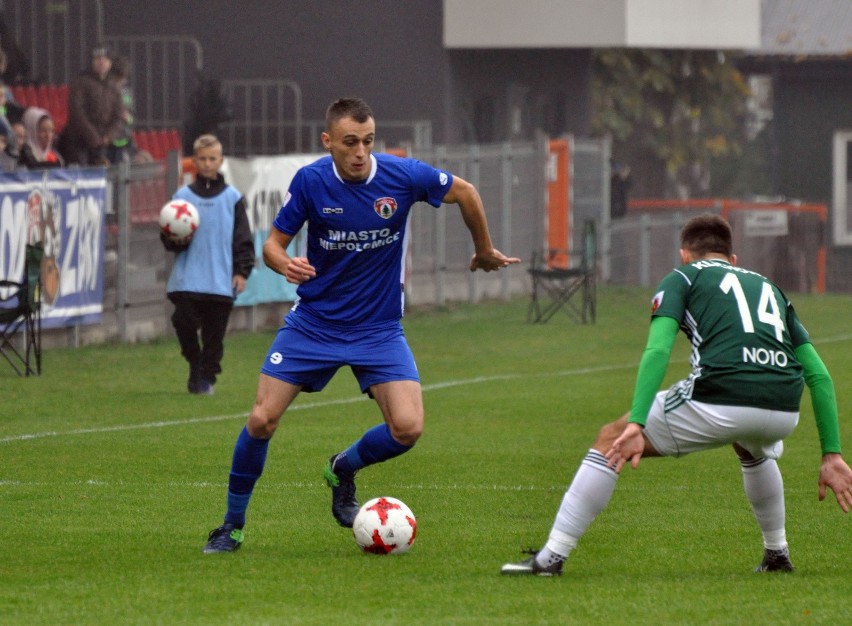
{"x":657,"y":301}
{"x":385,"y":207}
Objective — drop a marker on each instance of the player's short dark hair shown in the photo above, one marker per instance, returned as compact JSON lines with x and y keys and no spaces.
{"x":707,"y":233}
{"x":356,"y":108}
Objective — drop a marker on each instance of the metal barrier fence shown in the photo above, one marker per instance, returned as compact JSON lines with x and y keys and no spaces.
{"x":164,"y":72}
{"x":643,"y":247}
{"x":55,"y":37}
{"x":589,"y":183}
{"x":408,"y":134}
{"x":135,"y":263}
{"x":267,"y":117}
{"x":640,"y":249}
{"x":510,"y":178}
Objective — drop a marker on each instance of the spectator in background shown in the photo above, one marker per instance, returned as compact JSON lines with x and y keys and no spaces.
{"x":5,"y":123}
{"x":15,"y":66}
{"x":619,"y":186}
{"x":3,"y":64}
{"x":38,"y":151}
{"x":95,"y":113}
{"x":20,"y":133}
{"x":12,"y":106}
{"x":8,"y":162}
{"x":123,"y":147}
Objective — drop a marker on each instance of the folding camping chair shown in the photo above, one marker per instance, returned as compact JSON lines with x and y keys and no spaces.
{"x":20,"y":310}
{"x":561,"y":278}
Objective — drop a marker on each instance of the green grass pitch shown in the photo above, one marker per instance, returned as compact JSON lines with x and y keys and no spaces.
{"x":111,"y":475}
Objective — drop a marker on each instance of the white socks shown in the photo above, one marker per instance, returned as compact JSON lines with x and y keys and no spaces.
{"x":764,"y":489}
{"x":588,"y":495}
{"x":594,"y":483}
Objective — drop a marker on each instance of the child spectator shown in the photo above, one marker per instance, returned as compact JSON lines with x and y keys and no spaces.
{"x":38,"y":151}
{"x":211,"y":269}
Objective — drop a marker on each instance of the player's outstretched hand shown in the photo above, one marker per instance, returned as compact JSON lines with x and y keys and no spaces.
{"x":491,"y":262}
{"x":836,"y":475}
{"x":627,"y":447}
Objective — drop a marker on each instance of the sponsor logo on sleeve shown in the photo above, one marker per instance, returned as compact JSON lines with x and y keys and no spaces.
{"x":657,"y":301}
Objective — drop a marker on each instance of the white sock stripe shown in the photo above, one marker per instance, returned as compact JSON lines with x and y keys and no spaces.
{"x":753,"y":462}
{"x":595,"y":458}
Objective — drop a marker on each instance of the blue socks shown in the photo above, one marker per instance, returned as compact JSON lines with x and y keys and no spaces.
{"x":246,"y":468}
{"x":375,"y":446}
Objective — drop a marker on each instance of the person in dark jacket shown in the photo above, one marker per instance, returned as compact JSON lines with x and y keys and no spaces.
{"x":8,"y":158}
{"x":95,"y":113}
{"x":211,"y":268}
{"x":619,"y":188}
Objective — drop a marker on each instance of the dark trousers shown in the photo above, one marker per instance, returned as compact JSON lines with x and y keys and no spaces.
{"x":194,"y":317}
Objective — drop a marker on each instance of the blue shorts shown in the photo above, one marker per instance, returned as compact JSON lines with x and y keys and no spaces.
{"x":308,"y":354}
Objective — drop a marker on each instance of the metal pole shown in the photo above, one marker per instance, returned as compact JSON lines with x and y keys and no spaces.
{"x":506,"y":213}
{"x":122,"y":209}
{"x":440,"y":239}
{"x":645,"y":250}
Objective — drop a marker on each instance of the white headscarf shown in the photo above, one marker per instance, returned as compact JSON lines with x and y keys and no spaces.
{"x":32,"y":116}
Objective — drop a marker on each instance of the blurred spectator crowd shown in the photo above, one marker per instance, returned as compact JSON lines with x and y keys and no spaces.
{"x":88,"y":122}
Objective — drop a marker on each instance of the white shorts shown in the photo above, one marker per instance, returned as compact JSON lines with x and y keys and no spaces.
{"x":692,"y":426}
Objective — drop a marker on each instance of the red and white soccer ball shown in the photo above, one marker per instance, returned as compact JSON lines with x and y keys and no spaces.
{"x":179,"y":220}
{"x":385,"y":526}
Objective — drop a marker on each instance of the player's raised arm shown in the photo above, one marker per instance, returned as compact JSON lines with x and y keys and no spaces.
{"x":486,"y":256}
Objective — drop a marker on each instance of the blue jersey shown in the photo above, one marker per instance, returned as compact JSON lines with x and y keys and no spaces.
{"x":357,"y":235}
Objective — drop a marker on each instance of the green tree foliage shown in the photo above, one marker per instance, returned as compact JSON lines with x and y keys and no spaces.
{"x":670,"y":113}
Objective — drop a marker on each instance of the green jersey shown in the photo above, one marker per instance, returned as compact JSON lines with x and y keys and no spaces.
{"x":743,"y":333}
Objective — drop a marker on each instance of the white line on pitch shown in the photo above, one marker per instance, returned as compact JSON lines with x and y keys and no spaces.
{"x":299,"y":407}
{"x":311,"y":405}
{"x":319,"y":485}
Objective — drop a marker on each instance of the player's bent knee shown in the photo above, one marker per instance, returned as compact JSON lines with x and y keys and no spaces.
{"x":261,"y":426}
{"x":408,"y":438}
{"x":742,"y":453}
{"x":407,"y":434}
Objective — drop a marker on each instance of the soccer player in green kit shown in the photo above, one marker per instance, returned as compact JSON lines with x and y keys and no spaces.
{"x":751,"y":358}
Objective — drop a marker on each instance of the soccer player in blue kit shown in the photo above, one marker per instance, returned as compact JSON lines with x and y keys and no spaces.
{"x":350,"y":302}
